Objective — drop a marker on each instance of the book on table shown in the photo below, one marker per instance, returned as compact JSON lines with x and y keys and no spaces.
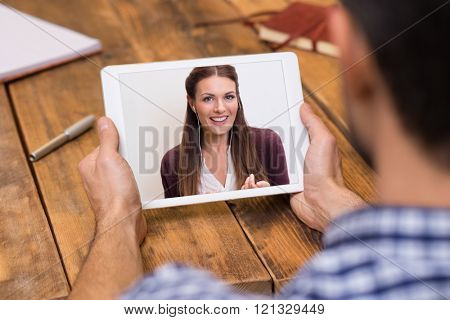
{"x":301,"y":25}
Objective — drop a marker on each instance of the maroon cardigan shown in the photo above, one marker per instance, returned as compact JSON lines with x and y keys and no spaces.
{"x":269,"y":149}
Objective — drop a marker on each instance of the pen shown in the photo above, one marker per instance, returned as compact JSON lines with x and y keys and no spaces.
{"x":70,"y":133}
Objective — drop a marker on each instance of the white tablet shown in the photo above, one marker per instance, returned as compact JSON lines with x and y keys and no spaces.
{"x":209,"y":129}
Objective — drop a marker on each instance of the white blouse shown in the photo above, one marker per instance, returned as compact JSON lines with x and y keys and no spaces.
{"x":210,"y":184}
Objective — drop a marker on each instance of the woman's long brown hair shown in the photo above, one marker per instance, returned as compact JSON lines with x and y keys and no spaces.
{"x":243,"y":151}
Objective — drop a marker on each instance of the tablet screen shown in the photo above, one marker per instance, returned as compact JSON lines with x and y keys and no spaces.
{"x":211,"y":132}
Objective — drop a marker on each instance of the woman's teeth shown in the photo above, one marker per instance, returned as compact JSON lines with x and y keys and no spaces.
{"x":219,"y":119}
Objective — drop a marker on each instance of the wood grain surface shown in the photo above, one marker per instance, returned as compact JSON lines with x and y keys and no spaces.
{"x":30,"y":267}
{"x":206,"y":236}
{"x":73,"y":91}
{"x":283,"y":243}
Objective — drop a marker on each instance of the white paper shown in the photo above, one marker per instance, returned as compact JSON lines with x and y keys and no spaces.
{"x":29,"y":44}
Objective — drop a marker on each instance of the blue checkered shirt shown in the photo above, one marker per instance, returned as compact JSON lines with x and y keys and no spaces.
{"x":375,"y":253}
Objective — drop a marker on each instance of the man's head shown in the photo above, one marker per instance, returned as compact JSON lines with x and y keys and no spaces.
{"x":397,"y":57}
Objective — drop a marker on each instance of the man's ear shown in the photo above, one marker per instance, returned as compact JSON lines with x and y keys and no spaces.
{"x":339,"y":30}
{"x":361,"y":79}
{"x":358,"y":68}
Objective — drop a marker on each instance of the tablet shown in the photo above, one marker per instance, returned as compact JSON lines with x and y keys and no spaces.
{"x":236,"y":134}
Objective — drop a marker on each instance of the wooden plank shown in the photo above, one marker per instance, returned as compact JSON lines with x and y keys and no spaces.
{"x":156,"y":30}
{"x":30,"y":267}
{"x":50,"y":101}
{"x":283,"y":243}
{"x":220,"y":40}
{"x":320,"y":73}
{"x":206,"y":236}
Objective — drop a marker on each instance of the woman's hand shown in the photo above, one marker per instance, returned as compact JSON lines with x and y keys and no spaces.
{"x":110,"y":185}
{"x":325,"y":195}
{"x":251,"y":184}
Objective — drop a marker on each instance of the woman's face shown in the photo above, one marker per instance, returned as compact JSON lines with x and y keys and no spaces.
{"x":216,"y":104}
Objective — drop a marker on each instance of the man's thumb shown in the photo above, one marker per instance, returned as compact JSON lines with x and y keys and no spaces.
{"x":107,"y":134}
{"x":313,"y":124}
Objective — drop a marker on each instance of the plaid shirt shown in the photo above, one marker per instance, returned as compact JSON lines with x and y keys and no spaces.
{"x":375,"y":253}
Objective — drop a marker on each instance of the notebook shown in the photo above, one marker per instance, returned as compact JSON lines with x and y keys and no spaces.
{"x":29,"y":44}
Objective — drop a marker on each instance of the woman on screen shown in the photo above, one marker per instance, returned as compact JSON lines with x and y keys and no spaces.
{"x":219,"y":151}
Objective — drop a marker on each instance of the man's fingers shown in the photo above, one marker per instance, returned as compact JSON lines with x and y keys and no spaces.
{"x":107,"y":134}
{"x":312,"y":122}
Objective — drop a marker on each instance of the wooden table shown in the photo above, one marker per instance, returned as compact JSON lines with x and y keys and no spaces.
{"x":46,"y":222}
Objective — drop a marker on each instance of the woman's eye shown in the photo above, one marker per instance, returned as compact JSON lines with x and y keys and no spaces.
{"x":207,"y":99}
{"x":230,"y":97}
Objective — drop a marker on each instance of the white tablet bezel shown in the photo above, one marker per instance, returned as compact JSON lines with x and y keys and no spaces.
{"x":114,"y":109}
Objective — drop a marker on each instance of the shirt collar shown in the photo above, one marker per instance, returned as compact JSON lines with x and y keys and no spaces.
{"x":211,"y":183}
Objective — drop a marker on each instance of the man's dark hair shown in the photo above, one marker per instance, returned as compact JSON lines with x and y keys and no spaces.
{"x":411,"y":44}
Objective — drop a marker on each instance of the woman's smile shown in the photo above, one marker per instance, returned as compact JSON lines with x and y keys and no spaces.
{"x":219,"y":121}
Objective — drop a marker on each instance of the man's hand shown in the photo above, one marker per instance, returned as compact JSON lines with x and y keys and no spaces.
{"x":111,"y":187}
{"x":324,"y":196}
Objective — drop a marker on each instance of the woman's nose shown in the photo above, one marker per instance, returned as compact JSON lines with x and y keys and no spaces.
{"x":220,"y":106}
